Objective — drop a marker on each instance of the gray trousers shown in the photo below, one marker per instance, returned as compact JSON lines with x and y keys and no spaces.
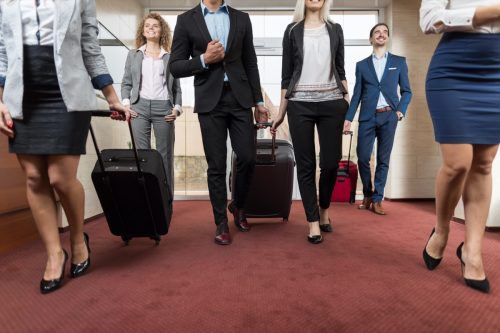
{"x":151,"y":114}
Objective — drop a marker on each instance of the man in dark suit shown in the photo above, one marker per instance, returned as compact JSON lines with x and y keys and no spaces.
{"x":377,"y":80}
{"x":214,"y":42}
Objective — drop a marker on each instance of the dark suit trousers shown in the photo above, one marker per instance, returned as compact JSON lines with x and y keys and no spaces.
{"x":383,"y":127}
{"x":228,"y":115}
{"x":328,"y":117}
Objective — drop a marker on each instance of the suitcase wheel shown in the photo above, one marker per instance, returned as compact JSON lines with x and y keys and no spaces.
{"x":126,"y":240}
{"x":157,"y":240}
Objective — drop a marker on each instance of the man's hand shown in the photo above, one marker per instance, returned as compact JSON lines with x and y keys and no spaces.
{"x":214,"y":53}
{"x":400,"y":115}
{"x":261,"y":114}
{"x":347,"y":126}
{"x":6,"y":122}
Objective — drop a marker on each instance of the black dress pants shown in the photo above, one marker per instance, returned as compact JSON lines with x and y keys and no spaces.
{"x":328,"y":117}
{"x":228,"y":115}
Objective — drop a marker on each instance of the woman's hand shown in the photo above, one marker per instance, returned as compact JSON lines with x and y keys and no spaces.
{"x":277,"y":123}
{"x":6,"y":123}
{"x":120,"y":112}
{"x":171,"y":117}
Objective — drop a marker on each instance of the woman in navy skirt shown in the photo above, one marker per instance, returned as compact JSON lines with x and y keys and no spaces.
{"x":47,"y":53}
{"x":463,"y":94}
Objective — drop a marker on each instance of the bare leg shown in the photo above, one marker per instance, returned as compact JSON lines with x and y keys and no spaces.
{"x":323,"y":216}
{"x":43,"y":207}
{"x":477,"y":198}
{"x":450,"y":180}
{"x":62,"y":174}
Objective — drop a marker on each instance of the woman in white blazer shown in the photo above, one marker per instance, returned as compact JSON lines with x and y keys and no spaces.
{"x":153,"y":94}
{"x":48,"y":50}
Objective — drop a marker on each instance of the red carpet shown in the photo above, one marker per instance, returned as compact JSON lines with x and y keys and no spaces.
{"x":368,"y":276}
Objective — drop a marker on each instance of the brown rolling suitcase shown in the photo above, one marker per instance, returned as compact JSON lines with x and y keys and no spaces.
{"x":270,"y":193}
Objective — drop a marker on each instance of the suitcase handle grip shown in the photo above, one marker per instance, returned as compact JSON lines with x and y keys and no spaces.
{"x":350,"y":144}
{"x":107,"y":113}
{"x":273,"y":139}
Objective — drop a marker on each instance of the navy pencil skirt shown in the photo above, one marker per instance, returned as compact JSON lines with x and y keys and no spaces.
{"x":463,"y":88}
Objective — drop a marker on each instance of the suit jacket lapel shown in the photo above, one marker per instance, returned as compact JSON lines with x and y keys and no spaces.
{"x":202,"y":25}
{"x":298,"y":32}
{"x":64,"y":12}
{"x":12,"y":16}
{"x":369,"y":61}
{"x":232,"y":27}
{"x":388,"y":65}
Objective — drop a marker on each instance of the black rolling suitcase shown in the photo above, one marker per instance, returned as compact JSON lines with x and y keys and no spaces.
{"x":270,"y":193}
{"x":133,"y":191}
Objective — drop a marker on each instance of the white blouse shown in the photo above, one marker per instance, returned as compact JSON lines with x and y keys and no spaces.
{"x":37,"y":21}
{"x":455,"y":15}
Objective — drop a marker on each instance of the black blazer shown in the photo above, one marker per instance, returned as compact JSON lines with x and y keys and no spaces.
{"x":191,"y":37}
{"x":293,"y":55}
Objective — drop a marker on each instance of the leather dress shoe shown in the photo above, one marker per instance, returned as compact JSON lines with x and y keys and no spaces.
{"x":47,"y":286}
{"x":80,"y":269}
{"x":222,"y":236}
{"x":316,"y":239}
{"x":377,"y":208}
{"x":326,"y":227}
{"x":367,"y":202}
{"x":240,"y":220}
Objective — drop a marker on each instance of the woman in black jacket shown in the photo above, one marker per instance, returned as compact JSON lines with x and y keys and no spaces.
{"x":314,"y":94}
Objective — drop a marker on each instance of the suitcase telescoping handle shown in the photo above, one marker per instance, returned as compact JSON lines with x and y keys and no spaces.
{"x":349,"y":155}
{"x":273,"y":138}
{"x":107,"y":113}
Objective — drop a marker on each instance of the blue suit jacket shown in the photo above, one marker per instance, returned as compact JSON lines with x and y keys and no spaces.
{"x":368,"y":88}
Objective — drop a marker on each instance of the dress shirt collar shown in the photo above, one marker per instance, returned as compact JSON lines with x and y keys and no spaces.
{"x":222,"y":8}
{"x":162,"y":51}
{"x":374,"y":56}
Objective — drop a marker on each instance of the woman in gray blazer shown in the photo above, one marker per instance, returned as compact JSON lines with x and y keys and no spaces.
{"x":154,"y":96}
{"x":48,"y":50}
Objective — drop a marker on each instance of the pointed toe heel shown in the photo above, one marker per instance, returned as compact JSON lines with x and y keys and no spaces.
{"x":430,"y":262}
{"x":480,"y":285}
{"x":48,"y":286}
{"x":315,"y":239}
{"x":81,"y":268}
{"x":327,"y":227}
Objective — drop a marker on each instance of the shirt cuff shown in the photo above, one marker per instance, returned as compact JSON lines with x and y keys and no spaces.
{"x":460,"y":18}
{"x":260,"y":103}
{"x":178,"y":108}
{"x":202,"y":59}
{"x":2,"y":81}
{"x":126,"y":102}
{"x":101,"y":81}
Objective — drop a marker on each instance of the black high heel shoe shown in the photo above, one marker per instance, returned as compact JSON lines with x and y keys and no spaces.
{"x":316,"y":239}
{"x":481,"y":285}
{"x":47,"y":286}
{"x":80,"y":269}
{"x":327,"y":227}
{"x":430,"y":262}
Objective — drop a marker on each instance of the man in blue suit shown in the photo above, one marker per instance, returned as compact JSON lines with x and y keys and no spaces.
{"x":377,"y":81}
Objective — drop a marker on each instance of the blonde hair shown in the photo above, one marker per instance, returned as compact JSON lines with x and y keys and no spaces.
{"x":165,"y":36}
{"x":300,"y":11}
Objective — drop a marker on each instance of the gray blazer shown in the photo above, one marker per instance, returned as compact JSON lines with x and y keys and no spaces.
{"x":131,"y":82}
{"x":76,"y":53}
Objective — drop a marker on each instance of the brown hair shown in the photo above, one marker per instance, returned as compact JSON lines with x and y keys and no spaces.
{"x":165,"y":36}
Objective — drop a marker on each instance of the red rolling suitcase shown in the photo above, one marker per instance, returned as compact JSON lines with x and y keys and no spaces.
{"x":347,"y":179}
{"x":270,"y":193}
{"x":133,"y":191}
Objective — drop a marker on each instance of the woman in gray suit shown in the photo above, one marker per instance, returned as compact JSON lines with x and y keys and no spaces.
{"x":48,"y":50}
{"x":153,"y":94}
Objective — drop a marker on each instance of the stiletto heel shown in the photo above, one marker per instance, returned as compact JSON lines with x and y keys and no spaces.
{"x":47,"y":286}
{"x":430,"y":262}
{"x":80,"y":269}
{"x":481,"y":285}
